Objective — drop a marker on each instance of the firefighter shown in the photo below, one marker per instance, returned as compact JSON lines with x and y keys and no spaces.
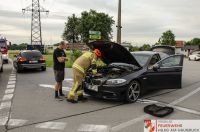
{"x":83,"y":63}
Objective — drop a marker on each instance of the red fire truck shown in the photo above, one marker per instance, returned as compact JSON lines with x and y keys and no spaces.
{"x":4,"y":48}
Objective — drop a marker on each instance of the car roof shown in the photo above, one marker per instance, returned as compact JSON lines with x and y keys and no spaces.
{"x":144,"y":52}
{"x":23,"y":51}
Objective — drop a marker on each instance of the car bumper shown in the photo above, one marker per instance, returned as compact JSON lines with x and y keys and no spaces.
{"x":198,"y":58}
{"x":106,"y":91}
{"x":31,"y":66}
{"x":5,"y":56}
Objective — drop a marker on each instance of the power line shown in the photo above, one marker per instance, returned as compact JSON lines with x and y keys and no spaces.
{"x":36,"y":31}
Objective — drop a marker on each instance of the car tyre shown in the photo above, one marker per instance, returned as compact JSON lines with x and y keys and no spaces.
{"x":133,"y":92}
{"x":189,"y":59}
{"x":195,"y":59}
{"x":19,"y":71}
{"x":1,"y":70}
{"x":43,"y":68}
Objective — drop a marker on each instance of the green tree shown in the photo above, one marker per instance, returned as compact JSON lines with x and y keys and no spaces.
{"x":22,"y":46}
{"x":134,"y":48}
{"x":167,"y":38}
{"x":194,"y":41}
{"x":145,"y":47}
{"x":94,"y":21}
{"x":71,"y":32}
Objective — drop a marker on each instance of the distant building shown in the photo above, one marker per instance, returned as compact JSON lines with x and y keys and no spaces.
{"x":77,"y":46}
{"x":180,"y":47}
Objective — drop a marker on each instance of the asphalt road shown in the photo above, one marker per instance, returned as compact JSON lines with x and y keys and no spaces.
{"x":34,"y":108}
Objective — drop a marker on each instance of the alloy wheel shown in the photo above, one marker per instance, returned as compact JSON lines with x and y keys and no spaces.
{"x":133,"y":92}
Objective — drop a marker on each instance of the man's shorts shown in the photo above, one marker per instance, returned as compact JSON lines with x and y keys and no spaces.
{"x":59,"y":75}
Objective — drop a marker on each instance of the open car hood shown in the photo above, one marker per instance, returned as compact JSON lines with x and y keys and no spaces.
{"x":113,"y":53}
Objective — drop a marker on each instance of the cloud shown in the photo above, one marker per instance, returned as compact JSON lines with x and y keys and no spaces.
{"x":143,"y":21}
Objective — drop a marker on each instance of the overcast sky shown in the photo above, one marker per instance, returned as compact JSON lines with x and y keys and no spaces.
{"x":143,"y":21}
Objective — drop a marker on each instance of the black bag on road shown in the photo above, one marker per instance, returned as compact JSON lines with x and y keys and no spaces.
{"x":158,"y":111}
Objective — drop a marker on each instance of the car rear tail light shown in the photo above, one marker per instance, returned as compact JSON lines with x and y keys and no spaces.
{"x":3,"y":50}
{"x":42,"y":59}
{"x":22,"y":59}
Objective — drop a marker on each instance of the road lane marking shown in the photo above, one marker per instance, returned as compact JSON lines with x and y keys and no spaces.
{"x":69,"y":79}
{"x":177,"y":107}
{"x":12,"y":79}
{"x":93,"y":128}
{"x":185,"y":97}
{"x":9,"y":91}
{"x":129,"y":123}
{"x":7,"y":97}
{"x":146,"y":101}
{"x":11,"y":82}
{"x":11,"y":86}
{"x":53,"y":86}
{"x":52,"y":125}
{"x":66,"y":89}
{"x":16,"y":122}
{"x":3,"y":120}
{"x":5,"y":105}
{"x":187,"y":110}
{"x":172,"y":104}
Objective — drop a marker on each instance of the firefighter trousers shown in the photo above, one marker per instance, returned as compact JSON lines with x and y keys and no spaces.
{"x":76,"y":90}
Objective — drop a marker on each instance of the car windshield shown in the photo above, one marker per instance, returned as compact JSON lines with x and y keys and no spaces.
{"x":3,"y":45}
{"x":30,"y":55}
{"x":141,"y":58}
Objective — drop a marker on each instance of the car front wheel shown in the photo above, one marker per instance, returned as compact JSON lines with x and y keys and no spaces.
{"x":133,"y":92}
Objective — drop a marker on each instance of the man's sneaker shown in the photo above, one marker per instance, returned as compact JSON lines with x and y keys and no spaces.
{"x":82,"y":98}
{"x":72,"y":101}
{"x":58,"y":98}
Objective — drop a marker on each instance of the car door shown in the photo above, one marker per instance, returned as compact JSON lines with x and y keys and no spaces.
{"x":166,"y":74}
{"x":1,"y":60}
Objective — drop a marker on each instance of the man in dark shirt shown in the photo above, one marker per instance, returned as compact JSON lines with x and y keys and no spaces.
{"x":59,"y":58}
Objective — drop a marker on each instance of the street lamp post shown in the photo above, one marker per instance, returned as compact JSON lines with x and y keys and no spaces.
{"x":119,"y":26}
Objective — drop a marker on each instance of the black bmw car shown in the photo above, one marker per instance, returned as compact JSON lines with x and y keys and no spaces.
{"x":127,"y":75}
{"x":29,"y":59}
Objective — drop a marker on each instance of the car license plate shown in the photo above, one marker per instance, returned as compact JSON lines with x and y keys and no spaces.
{"x":33,"y":61}
{"x":93,"y":87}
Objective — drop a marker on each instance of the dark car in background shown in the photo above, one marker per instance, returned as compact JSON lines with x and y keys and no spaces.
{"x":29,"y":59}
{"x":128,"y":75}
{"x":1,"y":62}
{"x":170,"y":50}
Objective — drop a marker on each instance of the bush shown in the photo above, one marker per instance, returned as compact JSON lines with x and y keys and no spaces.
{"x":75,"y":54}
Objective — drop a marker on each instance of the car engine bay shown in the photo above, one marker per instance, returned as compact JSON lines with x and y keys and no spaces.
{"x":112,"y":71}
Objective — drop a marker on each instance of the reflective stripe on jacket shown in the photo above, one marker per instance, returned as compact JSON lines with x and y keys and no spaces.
{"x":85,"y":61}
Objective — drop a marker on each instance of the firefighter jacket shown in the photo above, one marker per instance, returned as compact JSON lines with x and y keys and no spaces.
{"x":85,"y":61}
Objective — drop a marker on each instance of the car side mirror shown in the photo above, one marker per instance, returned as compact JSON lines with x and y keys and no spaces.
{"x":156,"y":67}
